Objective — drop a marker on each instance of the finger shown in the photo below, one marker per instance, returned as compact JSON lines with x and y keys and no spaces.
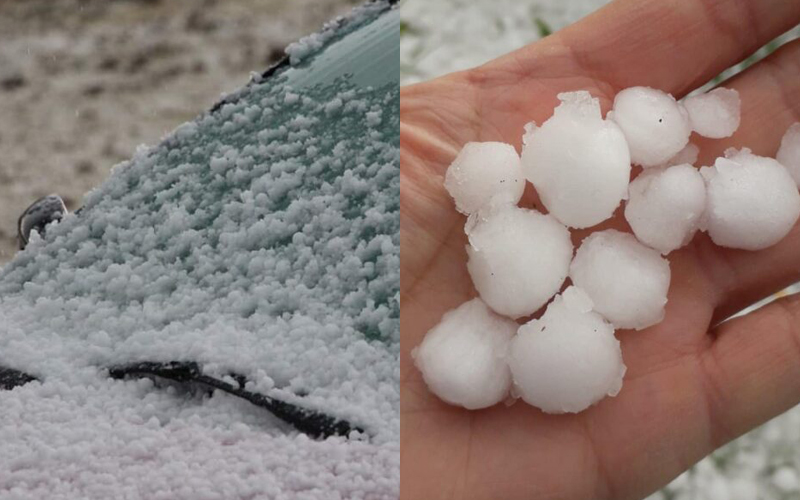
{"x":742,"y":278}
{"x":427,"y":146}
{"x":770,"y":95}
{"x":435,"y":119}
{"x":752,"y":371}
{"x":673,"y":45}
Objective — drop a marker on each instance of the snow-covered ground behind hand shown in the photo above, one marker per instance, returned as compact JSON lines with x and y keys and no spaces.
{"x":450,"y":35}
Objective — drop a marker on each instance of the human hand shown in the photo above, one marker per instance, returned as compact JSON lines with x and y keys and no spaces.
{"x":692,"y":384}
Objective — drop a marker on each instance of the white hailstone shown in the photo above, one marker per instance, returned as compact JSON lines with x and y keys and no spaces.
{"x":743,"y":488}
{"x":715,"y":114}
{"x":578,"y":162}
{"x":527,"y":132}
{"x":688,"y":155}
{"x":627,"y":281}
{"x":665,"y":206}
{"x":752,"y":201}
{"x":789,"y":152}
{"x":786,"y":480}
{"x":518,"y":259}
{"x":485,"y":173}
{"x":463,"y":358}
{"x":569,"y":359}
{"x":655,"y":125}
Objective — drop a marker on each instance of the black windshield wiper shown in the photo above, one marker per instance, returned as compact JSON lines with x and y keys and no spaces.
{"x":310,"y":422}
{"x":10,"y":378}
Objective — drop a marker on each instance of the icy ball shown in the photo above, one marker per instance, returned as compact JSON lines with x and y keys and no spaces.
{"x":665,"y":206}
{"x":485,"y":173}
{"x":463,"y":358}
{"x":627,"y":281}
{"x":655,"y":125}
{"x":752,"y":201}
{"x":578,"y":162}
{"x":567,"y":360}
{"x":688,"y":154}
{"x":518,"y":259}
{"x":715,"y":114}
{"x":789,"y":152}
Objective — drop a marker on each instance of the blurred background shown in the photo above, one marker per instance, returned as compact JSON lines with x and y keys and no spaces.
{"x":449,"y":35}
{"x":84,"y":82}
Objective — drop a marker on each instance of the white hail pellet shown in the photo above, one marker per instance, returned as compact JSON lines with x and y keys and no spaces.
{"x":786,"y":480}
{"x":578,"y":162}
{"x":518,"y":259}
{"x":789,"y":152}
{"x":752,"y":201}
{"x":715,"y":114}
{"x":688,"y":155}
{"x":665,"y":206}
{"x":655,"y":125}
{"x":567,"y":360}
{"x":627,"y":281}
{"x":485,"y":173}
{"x":463,"y":358}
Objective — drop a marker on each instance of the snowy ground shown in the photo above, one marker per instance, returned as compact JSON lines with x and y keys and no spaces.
{"x":440,"y":37}
{"x":84,"y":82}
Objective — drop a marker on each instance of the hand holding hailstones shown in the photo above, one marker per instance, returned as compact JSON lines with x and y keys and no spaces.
{"x":580,"y":164}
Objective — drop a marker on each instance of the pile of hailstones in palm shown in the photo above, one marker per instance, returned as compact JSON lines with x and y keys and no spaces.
{"x":519,"y":259}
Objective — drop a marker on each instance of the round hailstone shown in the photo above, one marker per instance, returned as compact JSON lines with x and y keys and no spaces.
{"x":655,"y":125}
{"x":567,"y":360}
{"x":463,"y":358}
{"x":789,"y":152}
{"x":627,"y":281}
{"x":786,"y":480}
{"x":485,"y":173}
{"x":715,"y":114}
{"x":688,"y":155}
{"x":578,"y":162}
{"x":752,"y":201}
{"x":518,"y":259}
{"x":665,"y":206}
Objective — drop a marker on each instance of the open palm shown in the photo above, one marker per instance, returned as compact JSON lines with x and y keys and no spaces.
{"x":692,"y":384}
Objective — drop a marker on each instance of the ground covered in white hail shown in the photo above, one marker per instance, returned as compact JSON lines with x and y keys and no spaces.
{"x":438,"y":38}
{"x":258,"y":240}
